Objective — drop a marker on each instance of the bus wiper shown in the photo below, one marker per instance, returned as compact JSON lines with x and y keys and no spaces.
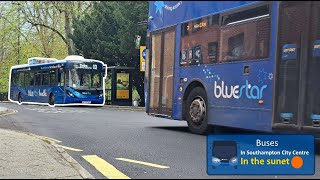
{"x":96,"y":89}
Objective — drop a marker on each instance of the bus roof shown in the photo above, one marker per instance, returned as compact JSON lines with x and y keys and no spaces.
{"x":68,"y":58}
{"x":35,"y":65}
{"x":164,"y":14}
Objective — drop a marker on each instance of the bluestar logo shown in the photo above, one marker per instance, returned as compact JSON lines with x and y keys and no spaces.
{"x":160,"y":5}
{"x":254,"y":92}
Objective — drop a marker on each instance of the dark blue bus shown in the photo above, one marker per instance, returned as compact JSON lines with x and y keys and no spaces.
{"x":242,"y":64}
{"x":72,"y":81}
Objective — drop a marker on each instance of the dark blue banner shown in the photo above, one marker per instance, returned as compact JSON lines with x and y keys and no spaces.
{"x":260,"y":154}
{"x":168,"y":13}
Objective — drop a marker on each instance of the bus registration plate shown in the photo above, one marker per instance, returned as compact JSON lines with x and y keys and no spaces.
{"x":86,"y":102}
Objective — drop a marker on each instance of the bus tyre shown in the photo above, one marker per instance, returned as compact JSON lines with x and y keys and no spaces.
{"x":196,"y":111}
{"x":51,"y":100}
{"x":19,"y":98}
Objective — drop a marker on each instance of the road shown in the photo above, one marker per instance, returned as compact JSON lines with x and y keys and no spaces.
{"x":113,"y":133}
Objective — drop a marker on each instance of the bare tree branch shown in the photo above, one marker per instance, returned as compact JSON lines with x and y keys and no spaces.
{"x":19,"y":31}
{"x":53,"y":29}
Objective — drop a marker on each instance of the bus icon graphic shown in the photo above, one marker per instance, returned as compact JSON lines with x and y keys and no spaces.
{"x":224,"y":153}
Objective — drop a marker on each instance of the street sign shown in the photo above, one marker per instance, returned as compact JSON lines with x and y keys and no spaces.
{"x":143,"y":52}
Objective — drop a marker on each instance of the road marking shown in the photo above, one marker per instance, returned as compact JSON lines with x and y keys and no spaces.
{"x":105,"y":168}
{"x":51,"y":139}
{"x":70,"y":148}
{"x":143,"y":163}
{"x":14,"y":111}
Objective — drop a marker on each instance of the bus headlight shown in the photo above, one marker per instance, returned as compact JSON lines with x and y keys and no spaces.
{"x":233,"y":161}
{"x":216,"y":161}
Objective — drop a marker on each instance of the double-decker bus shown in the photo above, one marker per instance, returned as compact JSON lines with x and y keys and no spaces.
{"x":243,"y":64}
{"x":71,"y":81}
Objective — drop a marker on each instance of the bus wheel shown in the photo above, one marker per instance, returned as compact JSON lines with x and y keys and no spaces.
{"x":196,"y":111}
{"x":19,"y":98}
{"x":51,"y":100}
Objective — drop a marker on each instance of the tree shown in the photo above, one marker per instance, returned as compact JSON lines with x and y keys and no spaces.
{"x":130,"y":15}
{"x":35,"y":28}
{"x":46,"y":15}
{"x":108,"y":33}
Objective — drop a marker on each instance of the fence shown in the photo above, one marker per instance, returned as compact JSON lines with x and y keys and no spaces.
{"x":108,"y":97}
{"x":4,"y":96}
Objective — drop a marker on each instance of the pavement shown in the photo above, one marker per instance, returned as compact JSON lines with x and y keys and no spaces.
{"x":125,"y":107}
{"x":28,"y":156}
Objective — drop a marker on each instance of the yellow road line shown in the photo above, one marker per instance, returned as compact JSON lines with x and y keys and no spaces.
{"x":143,"y":163}
{"x":51,"y":142}
{"x":51,"y":139}
{"x":104,"y":167}
{"x":70,"y":148}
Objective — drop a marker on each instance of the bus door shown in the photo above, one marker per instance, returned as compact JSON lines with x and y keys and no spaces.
{"x":298,"y":64}
{"x":161,"y":72}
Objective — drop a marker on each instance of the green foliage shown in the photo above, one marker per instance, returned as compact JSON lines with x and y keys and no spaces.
{"x":135,"y":95}
{"x":108,"y":33}
{"x":34,"y":29}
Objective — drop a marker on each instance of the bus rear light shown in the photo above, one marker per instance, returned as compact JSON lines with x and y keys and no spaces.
{"x":285,"y":120}
{"x":316,"y":123}
{"x":285,"y":117}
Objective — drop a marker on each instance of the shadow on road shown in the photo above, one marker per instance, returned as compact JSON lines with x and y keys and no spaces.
{"x":212,"y":130}
{"x":174,"y":128}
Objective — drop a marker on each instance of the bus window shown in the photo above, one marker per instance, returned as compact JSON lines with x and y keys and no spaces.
{"x":14,"y":79}
{"x":45,"y":78}
{"x":235,"y":47}
{"x":198,"y":54}
{"x":60,"y":78}
{"x":213,"y":51}
{"x":245,"y":35}
{"x":38,"y":79}
{"x":184,"y":29}
{"x":52,"y":75}
{"x":85,"y":79}
{"x":29,"y":79}
{"x":199,"y":41}
{"x":21,"y":79}
{"x":96,"y":80}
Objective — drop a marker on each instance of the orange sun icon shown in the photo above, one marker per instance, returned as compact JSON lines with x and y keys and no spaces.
{"x":296,"y":162}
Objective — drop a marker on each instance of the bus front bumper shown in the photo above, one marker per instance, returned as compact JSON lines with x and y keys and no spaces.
{"x":84,"y":101}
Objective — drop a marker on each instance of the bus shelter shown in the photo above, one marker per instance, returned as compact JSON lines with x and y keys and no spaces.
{"x":120,"y":91}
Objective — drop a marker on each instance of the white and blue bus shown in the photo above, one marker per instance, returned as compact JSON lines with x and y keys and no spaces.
{"x":71,"y":81}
